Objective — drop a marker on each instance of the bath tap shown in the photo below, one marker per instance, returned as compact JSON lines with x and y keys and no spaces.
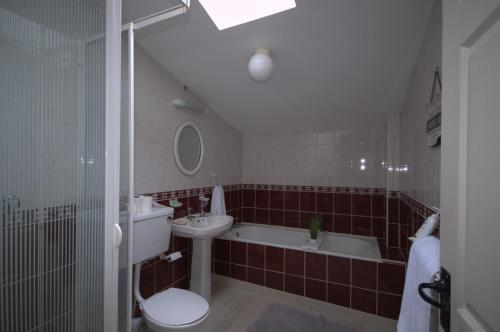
{"x":236,"y":223}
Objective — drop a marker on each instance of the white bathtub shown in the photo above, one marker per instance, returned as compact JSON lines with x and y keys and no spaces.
{"x":335,"y":244}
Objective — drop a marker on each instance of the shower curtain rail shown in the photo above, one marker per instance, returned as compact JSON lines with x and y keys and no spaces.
{"x":159,"y":16}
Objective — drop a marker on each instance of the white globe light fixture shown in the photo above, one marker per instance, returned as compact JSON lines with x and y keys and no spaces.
{"x":261,"y":65}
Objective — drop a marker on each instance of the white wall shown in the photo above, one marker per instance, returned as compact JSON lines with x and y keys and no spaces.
{"x":323,"y":158}
{"x":155,"y":124}
{"x":423,"y":177}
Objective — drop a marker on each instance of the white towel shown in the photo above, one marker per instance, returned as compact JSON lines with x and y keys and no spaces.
{"x":416,"y":314}
{"x":218,"y":207}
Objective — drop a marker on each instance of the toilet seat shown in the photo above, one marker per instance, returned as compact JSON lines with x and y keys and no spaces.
{"x":175,"y":308}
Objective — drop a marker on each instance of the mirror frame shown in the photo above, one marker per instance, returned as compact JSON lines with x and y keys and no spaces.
{"x":178,"y":132}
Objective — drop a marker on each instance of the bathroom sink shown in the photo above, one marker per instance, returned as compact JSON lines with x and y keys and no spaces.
{"x":202,"y":230}
{"x":206,"y":227}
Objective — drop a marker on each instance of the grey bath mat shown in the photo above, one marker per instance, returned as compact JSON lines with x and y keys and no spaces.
{"x":278,"y":317}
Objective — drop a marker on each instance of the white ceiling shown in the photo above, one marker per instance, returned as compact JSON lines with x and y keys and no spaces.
{"x":338,"y":63}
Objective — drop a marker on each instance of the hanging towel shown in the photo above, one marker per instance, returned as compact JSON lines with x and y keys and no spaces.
{"x":218,"y":207}
{"x":416,"y":314}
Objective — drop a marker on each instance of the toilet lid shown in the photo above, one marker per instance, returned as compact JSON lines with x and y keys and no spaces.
{"x":175,"y":306}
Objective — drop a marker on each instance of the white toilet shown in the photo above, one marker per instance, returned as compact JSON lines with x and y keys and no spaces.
{"x":174,"y":308}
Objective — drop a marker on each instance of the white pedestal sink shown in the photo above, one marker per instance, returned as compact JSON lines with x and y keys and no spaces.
{"x":202,"y":230}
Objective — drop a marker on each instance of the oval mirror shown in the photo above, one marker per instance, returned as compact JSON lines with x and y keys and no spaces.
{"x":188,"y":148}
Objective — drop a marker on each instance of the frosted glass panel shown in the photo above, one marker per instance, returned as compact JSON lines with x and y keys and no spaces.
{"x":52,"y":126}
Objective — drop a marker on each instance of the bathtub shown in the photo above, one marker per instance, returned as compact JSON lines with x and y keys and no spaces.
{"x":335,"y":244}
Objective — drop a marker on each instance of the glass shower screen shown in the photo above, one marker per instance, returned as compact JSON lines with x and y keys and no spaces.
{"x":52,"y":166}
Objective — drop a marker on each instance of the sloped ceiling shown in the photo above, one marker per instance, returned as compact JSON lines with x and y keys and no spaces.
{"x":338,"y":63}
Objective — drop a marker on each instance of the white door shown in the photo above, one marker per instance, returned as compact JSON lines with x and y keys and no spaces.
{"x":470,"y":190}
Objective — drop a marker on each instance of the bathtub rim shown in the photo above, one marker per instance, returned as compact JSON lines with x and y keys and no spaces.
{"x":322,"y":252}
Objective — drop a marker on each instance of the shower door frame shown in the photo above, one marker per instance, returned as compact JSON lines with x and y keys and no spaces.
{"x":112,"y":165}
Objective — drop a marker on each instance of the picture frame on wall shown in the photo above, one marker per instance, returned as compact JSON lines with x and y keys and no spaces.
{"x":433,"y":108}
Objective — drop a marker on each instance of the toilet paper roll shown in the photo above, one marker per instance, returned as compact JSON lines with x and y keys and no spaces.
{"x":174,"y":256}
{"x":137,"y":204}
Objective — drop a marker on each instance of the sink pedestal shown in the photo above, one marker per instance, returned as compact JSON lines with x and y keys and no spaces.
{"x":201,"y":268}
{"x":202,"y":230}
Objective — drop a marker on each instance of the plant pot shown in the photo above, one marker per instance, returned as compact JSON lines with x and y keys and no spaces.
{"x":313,"y":241}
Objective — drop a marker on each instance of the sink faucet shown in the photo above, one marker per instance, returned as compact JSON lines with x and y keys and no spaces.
{"x":189,"y":213}
{"x":203,"y":204}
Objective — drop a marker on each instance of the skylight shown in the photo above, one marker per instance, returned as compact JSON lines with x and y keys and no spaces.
{"x":229,"y":13}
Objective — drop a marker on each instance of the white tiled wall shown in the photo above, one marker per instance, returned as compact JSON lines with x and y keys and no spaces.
{"x":155,"y":125}
{"x":326,"y":158}
{"x":393,"y":151}
{"x":422,"y":180}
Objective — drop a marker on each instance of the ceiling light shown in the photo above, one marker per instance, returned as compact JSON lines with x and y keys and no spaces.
{"x":261,"y":65}
{"x":228,"y":13}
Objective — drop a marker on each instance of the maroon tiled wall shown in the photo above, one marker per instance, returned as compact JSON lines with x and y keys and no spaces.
{"x":405,"y":216}
{"x":357,"y":211}
{"x":158,"y":275}
{"x":367,"y":286}
{"x":27,"y":267}
{"x":362,"y":285}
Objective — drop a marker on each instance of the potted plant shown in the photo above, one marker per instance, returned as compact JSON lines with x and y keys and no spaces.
{"x":315,"y":228}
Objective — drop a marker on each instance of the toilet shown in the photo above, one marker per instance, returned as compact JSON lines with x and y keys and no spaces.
{"x":174,"y":308}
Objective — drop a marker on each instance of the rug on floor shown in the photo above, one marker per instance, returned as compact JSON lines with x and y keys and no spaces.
{"x":279,"y":317}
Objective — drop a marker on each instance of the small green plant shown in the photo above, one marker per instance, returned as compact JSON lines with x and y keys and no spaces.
{"x":316,"y":226}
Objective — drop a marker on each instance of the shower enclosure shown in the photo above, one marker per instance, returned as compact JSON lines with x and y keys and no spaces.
{"x":59,"y":166}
